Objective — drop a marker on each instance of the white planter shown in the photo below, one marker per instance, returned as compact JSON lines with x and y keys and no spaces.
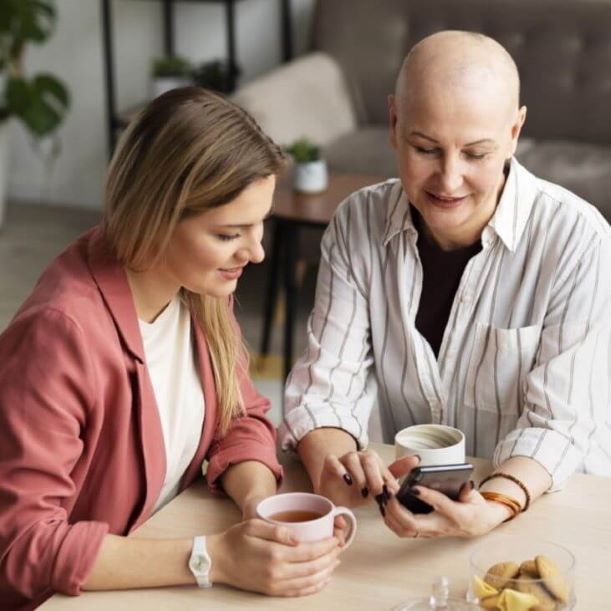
{"x":310,"y":177}
{"x":160,"y":85}
{"x":4,"y":152}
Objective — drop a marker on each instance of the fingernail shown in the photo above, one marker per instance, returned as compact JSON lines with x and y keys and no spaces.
{"x":382,"y":510}
{"x":380,"y":499}
{"x":471,"y":484}
{"x":385,"y":492}
{"x":418,"y":457}
{"x":365,"y":492}
{"x":415,"y":491}
{"x":347,"y":478}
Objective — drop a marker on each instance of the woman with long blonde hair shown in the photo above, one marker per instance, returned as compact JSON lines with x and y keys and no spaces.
{"x":124,"y":370}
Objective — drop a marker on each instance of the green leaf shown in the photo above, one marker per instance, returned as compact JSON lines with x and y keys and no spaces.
{"x":22,"y":20}
{"x":41,"y":104}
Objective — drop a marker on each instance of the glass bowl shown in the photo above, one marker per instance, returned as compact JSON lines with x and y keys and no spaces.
{"x":518,"y":574}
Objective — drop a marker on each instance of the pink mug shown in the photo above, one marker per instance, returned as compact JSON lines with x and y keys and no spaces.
{"x":310,"y":517}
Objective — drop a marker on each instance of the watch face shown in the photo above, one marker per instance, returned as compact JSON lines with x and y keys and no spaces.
{"x":199,"y":563}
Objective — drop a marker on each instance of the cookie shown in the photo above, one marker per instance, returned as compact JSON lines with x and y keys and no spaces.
{"x":501,"y":574}
{"x":528,"y":569}
{"x":552,"y":578}
{"x":546,"y":602}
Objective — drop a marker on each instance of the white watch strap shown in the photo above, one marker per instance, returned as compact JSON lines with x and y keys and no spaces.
{"x":200,"y":562}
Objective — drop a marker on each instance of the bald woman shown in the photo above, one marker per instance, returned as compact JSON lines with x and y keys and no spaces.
{"x":466,"y":292}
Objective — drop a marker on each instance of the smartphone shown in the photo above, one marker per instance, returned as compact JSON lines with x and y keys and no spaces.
{"x":444,"y":478}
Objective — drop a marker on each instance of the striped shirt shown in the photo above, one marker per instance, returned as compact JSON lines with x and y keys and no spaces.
{"x":524,"y":368}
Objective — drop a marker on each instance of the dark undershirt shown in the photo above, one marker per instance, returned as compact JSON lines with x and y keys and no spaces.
{"x":442,"y":271}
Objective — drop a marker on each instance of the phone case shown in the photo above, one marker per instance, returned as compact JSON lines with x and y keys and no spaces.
{"x":444,"y":478}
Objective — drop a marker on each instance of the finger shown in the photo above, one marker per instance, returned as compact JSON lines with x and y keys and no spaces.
{"x":396,"y":513}
{"x":373,"y":469}
{"x":333,"y":467}
{"x":340,"y":534}
{"x":465,"y":491}
{"x":352,"y":462}
{"x":311,"y":568}
{"x":300,"y":586}
{"x":270,"y":532}
{"x":404,"y":465}
{"x":340,"y":522}
{"x":307,"y":591}
{"x":437,"y":500}
{"x":305,"y":552}
{"x":399,"y":529}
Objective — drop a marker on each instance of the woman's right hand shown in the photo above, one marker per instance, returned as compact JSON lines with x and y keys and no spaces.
{"x":356,"y":477}
{"x":261,"y":557}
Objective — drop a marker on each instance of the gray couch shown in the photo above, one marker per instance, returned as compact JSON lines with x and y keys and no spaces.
{"x":337,"y":94}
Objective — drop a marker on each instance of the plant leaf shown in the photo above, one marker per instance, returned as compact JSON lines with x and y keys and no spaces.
{"x":41,"y":104}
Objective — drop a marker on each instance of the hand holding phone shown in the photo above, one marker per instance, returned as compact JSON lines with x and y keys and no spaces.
{"x":448,"y":479}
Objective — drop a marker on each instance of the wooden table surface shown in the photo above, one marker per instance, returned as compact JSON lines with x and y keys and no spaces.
{"x":379,"y":570}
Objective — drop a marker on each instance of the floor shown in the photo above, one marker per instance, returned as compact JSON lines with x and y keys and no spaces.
{"x":34,"y":234}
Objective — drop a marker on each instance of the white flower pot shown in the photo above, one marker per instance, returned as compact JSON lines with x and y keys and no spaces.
{"x":310,"y":177}
{"x":160,"y":85}
{"x":4,"y":153}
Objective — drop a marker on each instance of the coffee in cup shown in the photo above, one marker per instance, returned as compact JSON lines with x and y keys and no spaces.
{"x":310,"y":517}
{"x":436,"y":444}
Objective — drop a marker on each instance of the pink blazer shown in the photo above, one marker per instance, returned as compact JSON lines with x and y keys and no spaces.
{"x":81,"y":446}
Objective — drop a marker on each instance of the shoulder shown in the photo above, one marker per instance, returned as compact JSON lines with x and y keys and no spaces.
{"x":367,"y":209}
{"x":66,"y":290}
{"x":569,"y":211}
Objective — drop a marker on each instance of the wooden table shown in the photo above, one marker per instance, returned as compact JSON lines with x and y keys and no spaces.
{"x":292,"y":212}
{"x":379,"y":570}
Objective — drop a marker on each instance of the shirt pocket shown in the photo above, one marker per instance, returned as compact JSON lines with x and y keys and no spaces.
{"x":499,"y":362}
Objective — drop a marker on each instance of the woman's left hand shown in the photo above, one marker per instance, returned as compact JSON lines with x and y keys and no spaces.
{"x":470,"y":516}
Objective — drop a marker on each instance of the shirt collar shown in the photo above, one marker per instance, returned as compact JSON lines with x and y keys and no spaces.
{"x":398,"y":214}
{"x":508,"y":220}
{"x":514,"y":207}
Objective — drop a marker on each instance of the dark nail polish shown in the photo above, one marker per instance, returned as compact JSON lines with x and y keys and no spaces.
{"x":380,"y":500}
{"x":347,"y":478}
{"x":471,"y":484}
{"x":382,"y":510}
{"x":365,"y":492}
{"x":418,"y":457}
{"x":385,"y":492}
{"x":415,"y":491}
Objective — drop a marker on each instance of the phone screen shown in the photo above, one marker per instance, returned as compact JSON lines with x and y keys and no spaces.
{"x":444,"y":478}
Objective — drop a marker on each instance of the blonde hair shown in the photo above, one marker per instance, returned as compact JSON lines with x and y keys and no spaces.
{"x":190,"y":150}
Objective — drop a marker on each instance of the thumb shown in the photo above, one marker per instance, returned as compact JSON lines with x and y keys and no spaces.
{"x":404,"y":465}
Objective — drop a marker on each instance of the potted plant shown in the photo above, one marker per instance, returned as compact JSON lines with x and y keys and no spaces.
{"x":169,"y":73}
{"x":40,"y":102}
{"x":309,"y":170}
{"x":216,"y":74}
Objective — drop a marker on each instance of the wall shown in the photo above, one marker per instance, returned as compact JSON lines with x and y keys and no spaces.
{"x":74,"y":53}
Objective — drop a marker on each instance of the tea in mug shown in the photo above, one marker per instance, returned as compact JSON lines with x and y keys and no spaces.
{"x":295,"y":515}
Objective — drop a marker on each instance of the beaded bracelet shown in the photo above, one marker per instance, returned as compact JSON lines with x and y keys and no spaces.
{"x":508,"y":501}
{"x":511,"y":478}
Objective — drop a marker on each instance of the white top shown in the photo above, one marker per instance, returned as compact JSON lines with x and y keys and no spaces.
{"x":524,"y":367}
{"x":180,"y":400}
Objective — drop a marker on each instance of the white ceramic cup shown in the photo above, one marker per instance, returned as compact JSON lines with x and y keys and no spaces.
{"x":436,"y":444}
{"x":310,"y":530}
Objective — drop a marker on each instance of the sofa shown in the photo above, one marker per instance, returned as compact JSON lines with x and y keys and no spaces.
{"x":336,"y":94}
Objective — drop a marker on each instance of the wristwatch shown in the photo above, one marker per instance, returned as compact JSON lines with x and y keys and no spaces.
{"x":200,"y":563}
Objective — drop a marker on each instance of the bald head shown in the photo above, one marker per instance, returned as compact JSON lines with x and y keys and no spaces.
{"x":459,"y":63}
